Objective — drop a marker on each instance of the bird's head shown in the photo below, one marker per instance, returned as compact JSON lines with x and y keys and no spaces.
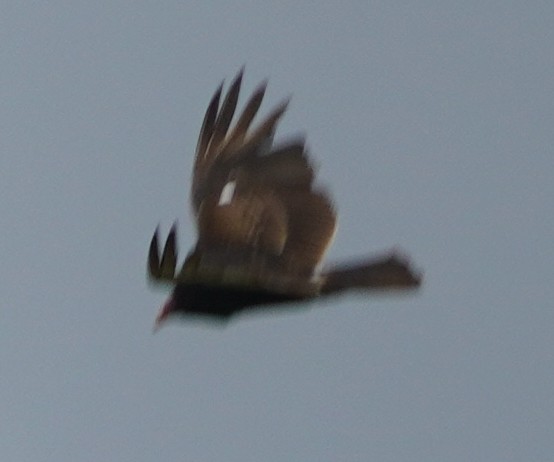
{"x":180,"y":302}
{"x":167,"y":309}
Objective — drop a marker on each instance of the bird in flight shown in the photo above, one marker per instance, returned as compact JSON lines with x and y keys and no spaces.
{"x":263,"y":225}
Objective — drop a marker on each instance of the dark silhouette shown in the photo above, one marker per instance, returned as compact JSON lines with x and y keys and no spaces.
{"x":263,"y":226}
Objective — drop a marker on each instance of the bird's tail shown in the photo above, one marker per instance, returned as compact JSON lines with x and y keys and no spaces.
{"x":382,"y":273}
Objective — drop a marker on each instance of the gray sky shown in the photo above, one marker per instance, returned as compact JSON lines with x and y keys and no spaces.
{"x":432,"y":124}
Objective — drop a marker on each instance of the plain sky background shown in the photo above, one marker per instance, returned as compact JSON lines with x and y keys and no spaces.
{"x":433,"y":125}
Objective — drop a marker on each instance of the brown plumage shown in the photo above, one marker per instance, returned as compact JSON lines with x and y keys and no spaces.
{"x":263,"y":226}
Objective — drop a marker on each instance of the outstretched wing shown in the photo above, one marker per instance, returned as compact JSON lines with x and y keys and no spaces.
{"x":254,"y":201}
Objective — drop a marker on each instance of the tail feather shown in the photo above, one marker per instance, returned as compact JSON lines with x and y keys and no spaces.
{"x":391,"y":272}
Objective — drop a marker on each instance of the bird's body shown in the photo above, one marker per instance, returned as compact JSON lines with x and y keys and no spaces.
{"x":263,"y":225}
{"x":224,"y":301}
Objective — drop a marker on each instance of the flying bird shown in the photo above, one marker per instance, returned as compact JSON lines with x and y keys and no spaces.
{"x":263,"y":224}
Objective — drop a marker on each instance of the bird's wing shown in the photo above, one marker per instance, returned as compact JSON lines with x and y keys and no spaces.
{"x":250,"y":193}
{"x":256,"y":205}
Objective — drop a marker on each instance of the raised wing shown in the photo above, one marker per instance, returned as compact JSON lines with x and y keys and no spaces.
{"x":254,"y":202}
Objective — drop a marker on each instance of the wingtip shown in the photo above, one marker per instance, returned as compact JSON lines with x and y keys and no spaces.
{"x":154,"y":255}
{"x":241,"y":71}
{"x":173,"y":229}
{"x":161,"y":267}
{"x":262,"y":86}
{"x":282,"y":106}
{"x":237,"y":81}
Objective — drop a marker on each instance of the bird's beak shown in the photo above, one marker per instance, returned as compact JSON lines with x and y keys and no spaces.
{"x":164,"y":312}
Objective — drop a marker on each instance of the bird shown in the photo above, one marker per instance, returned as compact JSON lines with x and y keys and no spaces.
{"x":263,"y":224}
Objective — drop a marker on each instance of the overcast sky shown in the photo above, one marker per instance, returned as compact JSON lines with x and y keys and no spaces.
{"x":433,"y":126}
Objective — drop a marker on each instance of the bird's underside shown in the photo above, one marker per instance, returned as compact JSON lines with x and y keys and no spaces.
{"x":263,"y":226}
